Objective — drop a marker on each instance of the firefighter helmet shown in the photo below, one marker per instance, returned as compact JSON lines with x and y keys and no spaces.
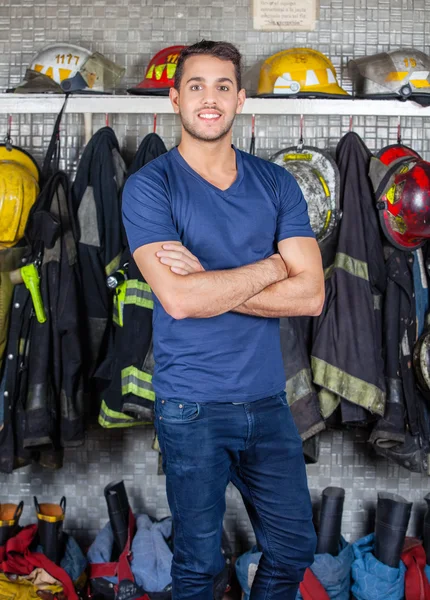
{"x":403,"y":73}
{"x":421,"y":361}
{"x":318,"y":177}
{"x":298,"y":71}
{"x":19,"y":187}
{"x":72,"y":68}
{"x":160,"y":74}
{"x":402,"y":191}
{"x":391,"y":153}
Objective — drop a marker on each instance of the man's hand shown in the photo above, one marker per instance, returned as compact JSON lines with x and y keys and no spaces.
{"x":179,"y":259}
{"x":183,"y":262}
{"x":202,"y":294}
{"x":302,"y":291}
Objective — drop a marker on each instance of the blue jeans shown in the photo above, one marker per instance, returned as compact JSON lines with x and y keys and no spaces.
{"x":256,"y":446}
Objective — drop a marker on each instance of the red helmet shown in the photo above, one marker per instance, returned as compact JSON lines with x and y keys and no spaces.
{"x":391,"y":153}
{"x":160,"y":73}
{"x":403,"y":196}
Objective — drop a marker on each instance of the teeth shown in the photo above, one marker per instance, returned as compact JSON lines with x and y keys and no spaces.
{"x":209,"y":116}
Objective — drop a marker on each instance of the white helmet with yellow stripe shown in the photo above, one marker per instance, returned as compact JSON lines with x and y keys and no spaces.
{"x":404,"y":73}
{"x":60,"y":61}
{"x":69,"y":68}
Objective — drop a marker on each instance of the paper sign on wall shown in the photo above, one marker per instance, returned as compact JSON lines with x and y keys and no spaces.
{"x":285,"y":15}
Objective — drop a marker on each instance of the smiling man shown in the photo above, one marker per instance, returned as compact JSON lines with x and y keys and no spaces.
{"x":223,"y":239}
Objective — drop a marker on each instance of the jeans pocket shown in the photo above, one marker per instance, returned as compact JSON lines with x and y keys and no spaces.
{"x":283,"y":398}
{"x":288,"y":419}
{"x":170,"y":411}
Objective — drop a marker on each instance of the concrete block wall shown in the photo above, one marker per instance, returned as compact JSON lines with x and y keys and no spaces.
{"x":130,"y":32}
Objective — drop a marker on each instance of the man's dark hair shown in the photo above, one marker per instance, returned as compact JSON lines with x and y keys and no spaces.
{"x":222,"y":50}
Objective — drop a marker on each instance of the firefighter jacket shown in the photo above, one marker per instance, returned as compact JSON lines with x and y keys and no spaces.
{"x":399,"y":312}
{"x":13,"y":384}
{"x":301,"y":393}
{"x":41,"y":381}
{"x":96,"y":202}
{"x":152,"y":146}
{"x":346,"y":354}
{"x":296,"y":342}
{"x":403,"y":433}
{"x":54,"y":404}
{"x":10,"y":260}
{"x":129,"y":398}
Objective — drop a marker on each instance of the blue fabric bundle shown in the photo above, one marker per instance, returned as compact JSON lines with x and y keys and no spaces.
{"x":372,"y":580}
{"x":334,"y":572}
{"x":151,"y":555}
{"x":73,"y":561}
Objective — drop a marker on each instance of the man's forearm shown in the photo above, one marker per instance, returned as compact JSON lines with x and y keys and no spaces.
{"x":293,"y":297}
{"x":211,"y":293}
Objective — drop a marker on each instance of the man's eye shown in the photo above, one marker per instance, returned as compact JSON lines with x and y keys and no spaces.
{"x":195,"y":87}
{"x":224,"y":88}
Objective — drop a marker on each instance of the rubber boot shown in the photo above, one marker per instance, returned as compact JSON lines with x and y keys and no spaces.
{"x":330,"y":521}
{"x":392,"y":518}
{"x":426,"y":530}
{"x":118,"y":509}
{"x":50,"y":519}
{"x":9,"y":519}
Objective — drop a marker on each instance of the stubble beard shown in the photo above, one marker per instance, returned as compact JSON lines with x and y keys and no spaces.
{"x":192,"y":131}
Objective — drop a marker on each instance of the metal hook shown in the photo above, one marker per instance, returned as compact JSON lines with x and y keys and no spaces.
{"x":399,"y":131}
{"x":155,"y":122}
{"x":301,"y":127}
{"x":107,"y":119}
{"x":8,"y":139}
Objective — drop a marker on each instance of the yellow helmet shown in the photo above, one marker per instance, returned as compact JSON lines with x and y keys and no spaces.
{"x":298,"y":70}
{"x":19,"y":188}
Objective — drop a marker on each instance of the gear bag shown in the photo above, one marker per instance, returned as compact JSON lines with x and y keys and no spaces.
{"x":116,"y":580}
{"x":20,"y":556}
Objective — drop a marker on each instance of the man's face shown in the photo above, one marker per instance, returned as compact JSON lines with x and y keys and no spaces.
{"x":208,"y":99}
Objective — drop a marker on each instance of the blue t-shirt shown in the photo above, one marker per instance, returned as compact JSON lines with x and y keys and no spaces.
{"x":230,"y":357}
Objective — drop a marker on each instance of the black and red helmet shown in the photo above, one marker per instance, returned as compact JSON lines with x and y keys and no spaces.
{"x":402,"y":189}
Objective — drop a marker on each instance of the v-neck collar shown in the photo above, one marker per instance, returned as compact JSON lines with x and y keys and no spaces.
{"x":229,"y":190}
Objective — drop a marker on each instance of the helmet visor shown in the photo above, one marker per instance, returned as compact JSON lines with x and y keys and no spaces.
{"x":100,"y":72}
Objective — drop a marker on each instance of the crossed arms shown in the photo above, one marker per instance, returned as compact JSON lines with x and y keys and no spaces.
{"x":287,"y":284}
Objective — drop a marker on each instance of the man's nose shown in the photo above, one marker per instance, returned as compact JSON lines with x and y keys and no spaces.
{"x":210,"y":97}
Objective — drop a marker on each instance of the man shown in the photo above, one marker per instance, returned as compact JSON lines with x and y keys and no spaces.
{"x":223,"y":239}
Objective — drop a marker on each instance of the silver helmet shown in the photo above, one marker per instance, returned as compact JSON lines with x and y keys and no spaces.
{"x":403,"y":73}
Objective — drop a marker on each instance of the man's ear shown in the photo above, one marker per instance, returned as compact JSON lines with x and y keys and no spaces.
{"x":174,"y":99}
{"x":241,"y":97}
